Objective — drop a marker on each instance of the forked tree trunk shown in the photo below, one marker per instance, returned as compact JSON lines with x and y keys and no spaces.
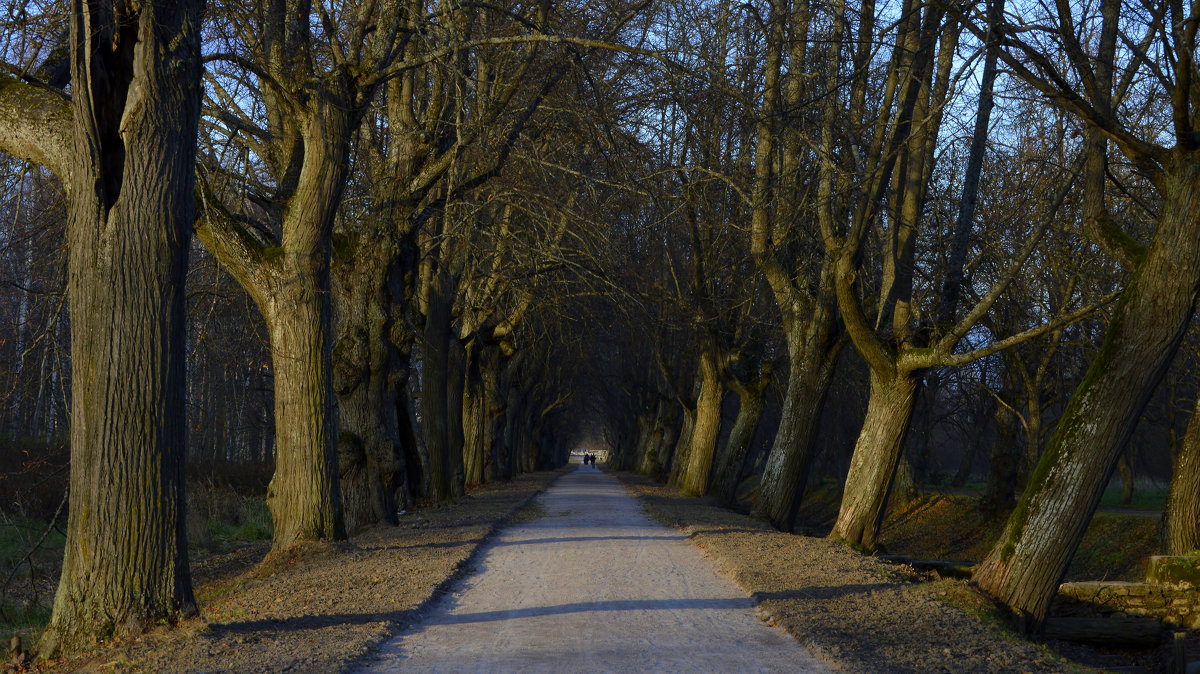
{"x":729,"y":467}
{"x":136,"y":100}
{"x":1041,"y":536}
{"x":812,"y":353}
{"x":1182,"y":516}
{"x":706,"y":427}
{"x":873,"y":464}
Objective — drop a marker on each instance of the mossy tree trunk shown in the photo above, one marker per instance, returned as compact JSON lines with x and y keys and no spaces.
{"x":1154,"y":309}
{"x":124,"y":148}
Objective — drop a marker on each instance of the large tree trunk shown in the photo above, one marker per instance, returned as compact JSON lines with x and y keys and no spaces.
{"x":304,"y":495}
{"x":434,"y":391}
{"x":812,"y":353}
{"x":729,"y":468}
{"x":1182,"y":516}
{"x":873,"y":465}
{"x":371,"y":457}
{"x":705,"y":428}
{"x":136,"y":100}
{"x":1042,"y":534}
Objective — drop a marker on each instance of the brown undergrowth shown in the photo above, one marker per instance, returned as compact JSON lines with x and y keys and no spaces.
{"x":321,"y":606}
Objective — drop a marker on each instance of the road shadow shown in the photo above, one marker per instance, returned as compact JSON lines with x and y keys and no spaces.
{"x":729,"y":603}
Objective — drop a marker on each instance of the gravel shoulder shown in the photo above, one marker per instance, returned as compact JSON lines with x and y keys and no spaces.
{"x":846,"y":607}
{"x":325,"y":606}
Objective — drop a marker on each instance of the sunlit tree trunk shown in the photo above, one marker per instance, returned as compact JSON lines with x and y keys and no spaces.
{"x":705,"y":428}
{"x":1041,"y":536}
{"x":875,"y":457}
{"x":129,"y":179}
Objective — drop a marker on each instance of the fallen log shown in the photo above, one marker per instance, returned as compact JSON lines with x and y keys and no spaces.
{"x":1115,"y":629}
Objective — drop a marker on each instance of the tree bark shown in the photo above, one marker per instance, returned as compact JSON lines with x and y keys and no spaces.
{"x":455,"y":380}
{"x":130,"y":186}
{"x":875,"y":457}
{"x":1182,"y":516}
{"x":435,"y":392}
{"x":1042,"y":534}
{"x":1000,"y":493}
{"x":705,"y":428}
{"x":729,"y":468}
{"x":371,"y":456}
{"x":304,"y":495}
{"x":474,"y":418}
{"x":812,"y":353}
{"x":678,"y":459}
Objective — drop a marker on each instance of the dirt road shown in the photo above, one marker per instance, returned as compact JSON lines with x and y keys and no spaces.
{"x":594,"y":585}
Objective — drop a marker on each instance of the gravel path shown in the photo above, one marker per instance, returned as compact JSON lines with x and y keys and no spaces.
{"x":595,"y":585}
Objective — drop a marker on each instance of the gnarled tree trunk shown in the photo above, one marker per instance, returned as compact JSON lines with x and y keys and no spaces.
{"x":371,"y":456}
